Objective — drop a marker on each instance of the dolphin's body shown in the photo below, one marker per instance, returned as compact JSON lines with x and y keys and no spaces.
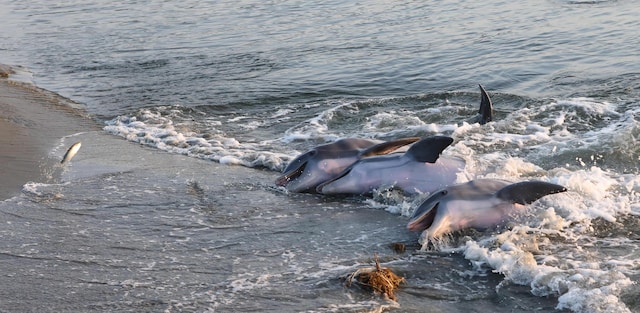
{"x":324,"y":162}
{"x":420,"y":169}
{"x":480,"y":203}
{"x":71,"y":152}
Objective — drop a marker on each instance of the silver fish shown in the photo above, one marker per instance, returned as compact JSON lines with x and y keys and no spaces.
{"x":71,"y":152}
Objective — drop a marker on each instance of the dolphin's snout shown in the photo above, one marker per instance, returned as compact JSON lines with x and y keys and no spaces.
{"x":413,"y":226}
{"x":291,"y":174}
{"x":282,"y":181}
{"x":423,"y":218}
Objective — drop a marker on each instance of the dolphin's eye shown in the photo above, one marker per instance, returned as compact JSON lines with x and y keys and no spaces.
{"x":444,"y":192}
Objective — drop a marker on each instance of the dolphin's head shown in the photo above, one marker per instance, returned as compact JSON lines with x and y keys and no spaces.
{"x":303,"y":174}
{"x":295,"y":168}
{"x":321,"y":163}
{"x":425,"y":215}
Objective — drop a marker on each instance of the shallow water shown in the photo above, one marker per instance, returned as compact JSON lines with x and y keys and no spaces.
{"x":120,"y":234}
{"x":157,"y":217}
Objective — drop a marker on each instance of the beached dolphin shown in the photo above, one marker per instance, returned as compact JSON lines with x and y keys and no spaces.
{"x":485,"y":113}
{"x":71,"y":152}
{"x":480,"y":203}
{"x":324,"y":162}
{"x":420,"y":169}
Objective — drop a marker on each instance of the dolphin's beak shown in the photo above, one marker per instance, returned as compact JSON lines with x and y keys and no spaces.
{"x":291,"y":175}
{"x":295,"y":168}
{"x":423,"y":217}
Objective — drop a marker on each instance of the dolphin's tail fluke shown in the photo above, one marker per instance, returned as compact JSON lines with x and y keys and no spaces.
{"x":486,"y":107}
{"x":528,"y":191}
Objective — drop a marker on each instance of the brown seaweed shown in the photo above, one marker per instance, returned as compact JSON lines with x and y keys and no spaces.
{"x":380,"y":280}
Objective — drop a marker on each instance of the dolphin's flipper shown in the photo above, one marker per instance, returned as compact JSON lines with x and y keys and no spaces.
{"x":486,"y":107}
{"x":429,"y":149}
{"x":387,"y":147}
{"x":528,"y":191}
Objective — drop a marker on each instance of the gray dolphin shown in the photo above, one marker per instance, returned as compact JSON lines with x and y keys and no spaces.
{"x":480,"y":203}
{"x":420,"y":169}
{"x":324,"y":162}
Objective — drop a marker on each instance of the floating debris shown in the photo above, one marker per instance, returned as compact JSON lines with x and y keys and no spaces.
{"x":398,"y":247}
{"x":379,"y":279}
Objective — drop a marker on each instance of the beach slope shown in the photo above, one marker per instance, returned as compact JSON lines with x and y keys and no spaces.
{"x":32,"y":122}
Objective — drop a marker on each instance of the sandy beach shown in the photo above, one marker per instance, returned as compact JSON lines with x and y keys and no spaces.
{"x":32,"y":121}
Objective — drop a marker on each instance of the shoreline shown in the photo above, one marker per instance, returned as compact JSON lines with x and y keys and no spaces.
{"x":32,"y":122}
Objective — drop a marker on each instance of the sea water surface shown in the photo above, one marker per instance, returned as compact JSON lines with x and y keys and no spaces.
{"x":171,"y":206}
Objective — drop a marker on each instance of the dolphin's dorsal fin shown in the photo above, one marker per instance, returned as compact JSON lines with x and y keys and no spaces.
{"x":387,"y":147}
{"x":528,"y":191}
{"x":486,"y":107}
{"x":429,"y":149}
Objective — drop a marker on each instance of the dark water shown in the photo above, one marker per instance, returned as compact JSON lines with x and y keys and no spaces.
{"x":159,"y":227}
{"x":119,"y":57}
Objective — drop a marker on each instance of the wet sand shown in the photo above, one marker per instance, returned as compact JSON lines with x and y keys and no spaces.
{"x":32,"y":122}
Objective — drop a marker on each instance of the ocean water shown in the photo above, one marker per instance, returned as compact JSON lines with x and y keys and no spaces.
{"x":172,"y":205}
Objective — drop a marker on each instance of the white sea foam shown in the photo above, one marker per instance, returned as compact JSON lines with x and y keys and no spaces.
{"x":317,"y":127}
{"x":546,"y":248}
{"x":43,"y":190}
{"x":250,"y":282}
{"x":583,"y":283}
{"x":389,"y":121}
{"x":155,"y":130}
{"x":32,"y":188}
{"x":388,"y":124}
{"x":360,"y":306}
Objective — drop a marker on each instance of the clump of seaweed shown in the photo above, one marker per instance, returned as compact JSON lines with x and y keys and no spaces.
{"x":398,"y":247}
{"x":379,"y":279}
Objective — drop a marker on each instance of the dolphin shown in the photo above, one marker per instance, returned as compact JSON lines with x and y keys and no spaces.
{"x":324,"y":162}
{"x":71,"y":152}
{"x":480,"y":203}
{"x":485,"y":113}
{"x":307,"y":171}
{"x":420,"y":169}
